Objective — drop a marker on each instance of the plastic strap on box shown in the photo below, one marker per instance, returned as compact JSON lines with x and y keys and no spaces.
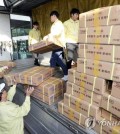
{"x":111,"y":28}
{"x":94,"y":84}
{"x":91,"y":101}
{"x":89,"y":109}
{"x":85,"y":60}
{"x":108,"y":102}
{"x":69,"y":95}
{"x":113,"y":52}
{"x":109,"y":15}
{"x":44,"y":88}
{"x":113,"y":68}
{"x":80,"y":119}
{"x":85,"y":19}
{"x":84,"y":51}
{"x":86,"y":40}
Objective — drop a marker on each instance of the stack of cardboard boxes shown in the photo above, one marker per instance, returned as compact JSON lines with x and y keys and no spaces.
{"x":50,"y":90}
{"x":82,"y":98}
{"x":93,"y":88}
{"x":47,"y":88}
{"x":33,"y":76}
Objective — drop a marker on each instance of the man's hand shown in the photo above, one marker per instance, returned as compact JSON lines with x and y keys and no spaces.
{"x":5,"y":67}
{"x":29,"y":91}
{"x":14,"y":81}
{"x":45,"y":38}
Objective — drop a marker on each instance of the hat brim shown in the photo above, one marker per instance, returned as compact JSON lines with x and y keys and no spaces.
{"x":2,"y":87}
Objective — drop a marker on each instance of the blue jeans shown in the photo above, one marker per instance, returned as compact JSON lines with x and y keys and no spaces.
{"x":57,"y":58}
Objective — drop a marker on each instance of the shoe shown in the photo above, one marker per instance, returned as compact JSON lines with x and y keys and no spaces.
{"x":36,"y":62}
{"x":65,"y":78}
{"x":69,"y":64}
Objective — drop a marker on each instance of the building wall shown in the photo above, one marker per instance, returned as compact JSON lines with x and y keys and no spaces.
{"x":5,"y":38}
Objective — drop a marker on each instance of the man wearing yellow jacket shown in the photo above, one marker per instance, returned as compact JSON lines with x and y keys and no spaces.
{"x":11,"y":115}
{"x":35,"y":37}
{"x":71,"y":34}
{"x":57,"y":36}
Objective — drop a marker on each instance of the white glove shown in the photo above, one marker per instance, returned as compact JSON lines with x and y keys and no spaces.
{"x":45,"y":37}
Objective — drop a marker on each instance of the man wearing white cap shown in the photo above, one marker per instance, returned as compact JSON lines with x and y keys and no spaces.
{"x":11,"y":115}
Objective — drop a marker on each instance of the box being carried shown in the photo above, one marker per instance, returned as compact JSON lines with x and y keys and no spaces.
{"x":9,"y":64}
{"x":9,"y":79}
{"x":34,"y":76}
{"x":43,"y":47}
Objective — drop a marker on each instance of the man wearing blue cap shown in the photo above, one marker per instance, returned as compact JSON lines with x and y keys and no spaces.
{"x":11,"y":115}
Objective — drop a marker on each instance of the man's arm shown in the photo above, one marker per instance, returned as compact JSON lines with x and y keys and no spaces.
{"x":56,"y":31}
{"x":65,"y":27}
{"x":11,"y":93}
{"x":40,"y":36}
{"x":20,"y":111}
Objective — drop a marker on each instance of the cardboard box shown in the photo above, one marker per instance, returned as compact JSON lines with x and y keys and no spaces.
{"x":69,"y":88}
{"x":71,"y":75}
{"x":109,"y":53}
{"x":4,"y":70}
{"x":43,"y":47}
{"x":96,"y":99}
{"x":82,"y":120}
{"x":84,"y":107}
{"x":47,"y":99}
{"x":101,"y":69}
{"x":60,"y":106}
{"x":50,"y":86}
{"x":9,"y":79}
{"x":71,"y":114}
{"x":111,"y":104}
{"x":109,"y":116}
{"x":98,"y":127}
{"x":34,"y":77}
{"x":10,"y":64}
{"x":84,"y":94}
{"x":100,"y":16}
{"x":98,"y":85}
{"x":67,"y":99}
{"x":116,"y":90}
{"x":111,"y":130}
{"x":100,"y":35}
{"x":1,"y":74}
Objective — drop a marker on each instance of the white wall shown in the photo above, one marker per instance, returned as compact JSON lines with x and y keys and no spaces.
{"x":5,"y":35}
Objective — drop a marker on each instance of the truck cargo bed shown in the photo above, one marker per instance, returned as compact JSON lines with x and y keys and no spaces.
{"x":44,"y":119}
